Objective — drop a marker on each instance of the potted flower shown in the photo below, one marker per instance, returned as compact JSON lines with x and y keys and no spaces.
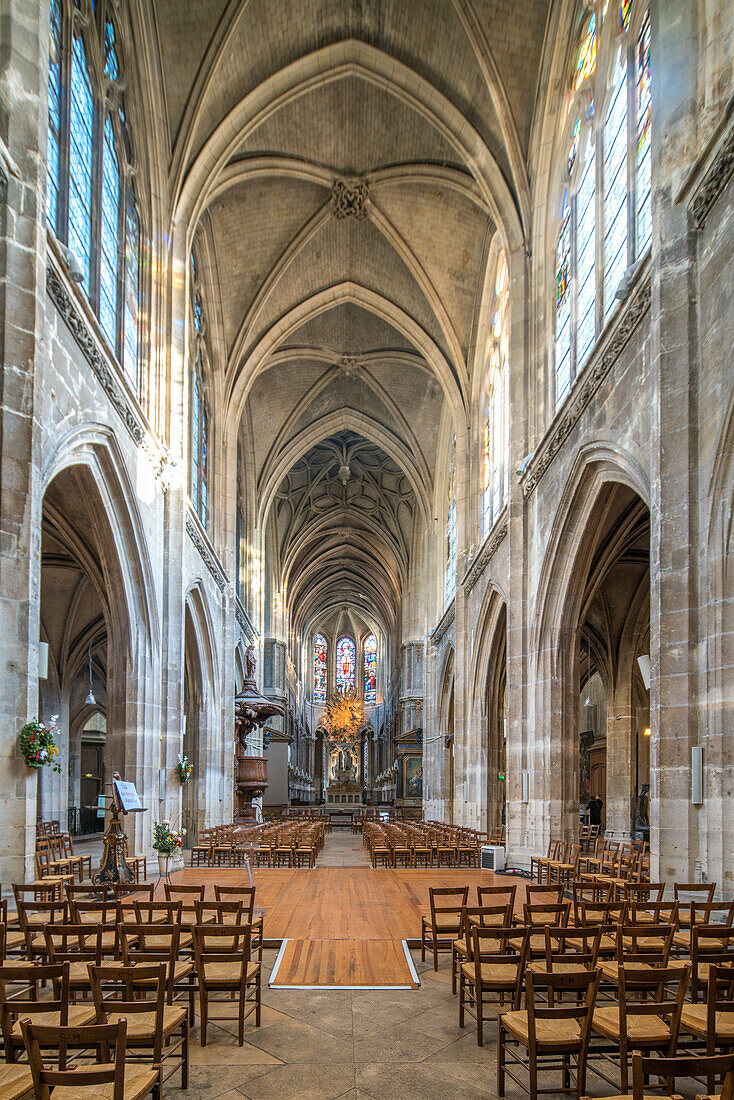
{"x":184,"y":769}
{"x":37,"y":744}
{"x":167,"y":842}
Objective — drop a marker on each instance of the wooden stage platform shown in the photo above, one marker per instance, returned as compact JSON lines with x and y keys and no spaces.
{"x":345,"y":926}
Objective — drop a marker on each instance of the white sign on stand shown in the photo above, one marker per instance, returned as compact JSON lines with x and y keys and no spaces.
{"x":127,"y":796}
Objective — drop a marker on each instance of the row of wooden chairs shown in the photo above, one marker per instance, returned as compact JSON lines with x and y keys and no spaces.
{"x":638,"y":955}
{"x":293,"y":844}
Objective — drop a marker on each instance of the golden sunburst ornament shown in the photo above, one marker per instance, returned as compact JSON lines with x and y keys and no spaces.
{"x":343,"y":716}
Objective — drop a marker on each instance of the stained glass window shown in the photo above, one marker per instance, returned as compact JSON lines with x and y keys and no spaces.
{"x":204,"y":465}
{"x":615,"y":185}
{"x":199,"y":444}
{"x":625,"y":12}
{"x":586,"y":60}
{"x":81,"y":126}
{"x":195,"y":435}
{"x":109,"y":235}
{"x":370,"y":671}
{"x":585,"y":256}
{"x":644,"y":223}
{"x":563,"y":307}
{"x":320,"y":653}
{"x":450,"y":573}
{"x":132,"y":289}
{"x":574,"y":146}
{"x":54,"y":115}
{"x":345,"y":664}
{"x":496,"y":424}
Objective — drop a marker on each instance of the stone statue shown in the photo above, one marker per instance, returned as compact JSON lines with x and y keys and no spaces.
{"x":250,"y":662}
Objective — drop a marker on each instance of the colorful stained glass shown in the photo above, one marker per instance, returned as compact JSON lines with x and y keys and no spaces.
{"x":54,"y":115}
{"x":132,"y":291}
{"x":320,"y":654}
{"x":644,"y":102}
{"x":563,"y":309}
{"x":370,"y":671}
{"x":109,"y":235}
{"x":625,"y":14}
{"x":574,"y":146}
{"x":585,"y":257}
{"x":81,"y":126}
{"x":111,"y":63}
{"x":345,"y":664}
{"x":195,"y":435}
{"x":616,"y":190}
{"x":204,"y":466}
{"x":586,"y":60}
{"x":198,"y":312}
{"x":450,"y":571}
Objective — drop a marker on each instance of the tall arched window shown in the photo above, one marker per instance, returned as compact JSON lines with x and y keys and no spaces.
{"x":198,"y":411}
{"x":370,"y":670}
{"x":450,"y":558}
{"x":604,"y":209}
{"x":90,"y":199}
{"x":320,"y":655}
{"x":497,"y":409}
{"x":345,"y":664}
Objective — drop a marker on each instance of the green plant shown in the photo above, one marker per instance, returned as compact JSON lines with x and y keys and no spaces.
{"x":165,"y":839}
{"x":37,"y":744}
{"x":184,"y":769}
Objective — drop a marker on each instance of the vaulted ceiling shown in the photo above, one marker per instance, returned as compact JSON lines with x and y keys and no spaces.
{"x":348,"y":164}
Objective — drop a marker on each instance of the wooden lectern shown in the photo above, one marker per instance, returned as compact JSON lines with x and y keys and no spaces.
{"x":113,"y":866}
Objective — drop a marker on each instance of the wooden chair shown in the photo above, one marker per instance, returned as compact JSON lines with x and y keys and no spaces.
{"x":639,"y":947}
{"x":223,"y":965}
{"x":712,"y":1024}
{"x":715,"y":913}
{"x":711,"y":945}
{"x":28,"y":1004}
{"x":571,"y":950}
{"x":151,"y":944}
{"x":103,"y":913}
{"x":33,"y":917}
{"x":114,"y":1080}
{"x":245,"y":894}
{"x":77,"y":944}
{"x":66,"y":850}
{"x":493,"y":969}
{"x":608,"y":915}
{"x":552,"y":1033}
{"x":641,"y":1024}
{"x":537,"y":917}
{"x":539,"y":864}
{"x":475,"y":916}
{"x":16,"y":1082}
{"x":497,"y":895}
{"x":588,"y":892}
{"x":159,"y":1032}
{"x":443,"y":920}
{"x":670,"y":1068}
{"x":688,"y":893}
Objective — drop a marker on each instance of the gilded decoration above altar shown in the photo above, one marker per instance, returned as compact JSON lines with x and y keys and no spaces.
{"x":343,"y":716}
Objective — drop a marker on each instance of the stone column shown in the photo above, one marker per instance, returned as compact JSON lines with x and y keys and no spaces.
{"x":674,"y":543}
{"x":23,"y":120}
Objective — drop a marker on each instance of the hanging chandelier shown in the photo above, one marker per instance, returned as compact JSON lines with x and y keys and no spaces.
{"x":343,"y":716}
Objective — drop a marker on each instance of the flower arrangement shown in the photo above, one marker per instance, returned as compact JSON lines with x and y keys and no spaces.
{"x":37,"y":744}
{"x":184,"y":769}
{"x":165,"y":839}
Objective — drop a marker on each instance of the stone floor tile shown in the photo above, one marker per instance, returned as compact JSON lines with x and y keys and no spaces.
{"x":302,"y":1082}
{"x":398,"y":1043}
{"x":328,"y":1010}
{"x":213,"y":1082}
{"x":397,"y":1082}
{"x":293,"y":1041}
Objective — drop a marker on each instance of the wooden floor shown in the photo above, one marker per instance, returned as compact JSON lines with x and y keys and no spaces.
{"x":344,"y":903}
{"x":345,"y":925}
{"x":343,"y":964}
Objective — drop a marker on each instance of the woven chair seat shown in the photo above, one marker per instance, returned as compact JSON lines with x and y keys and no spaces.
{"x":444,"y":924}
{"x":79,"y":1016}
{"x":15,"y":1082}
{"x":141,"y":1025}
{"x":139,"y":1080}
{"x":536,"y":943}
{"x":460,"y":947}
{"x":550,"y":1034}
{"x":493,"y":973}
{"x":693,"y":1020}
{"x":14,"y":939}
{"x":610,"y":969}
{"x":649,"y":1030}
{"x":228,"y":972}
{"x":561,"y":966}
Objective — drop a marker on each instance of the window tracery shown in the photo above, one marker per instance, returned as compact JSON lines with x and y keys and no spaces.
{"x":345,"y":664}
{"x":320,"y":656}
{"x":450,"y":557}
{"x":370,"y":670}
{"x":495,"y":467}
{"x":198,"y":411}
{"x":604,"y":210}
{"x":90,"y":197}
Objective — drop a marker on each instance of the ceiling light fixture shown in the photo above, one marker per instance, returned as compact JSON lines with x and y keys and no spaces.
{"x":90,"y":701}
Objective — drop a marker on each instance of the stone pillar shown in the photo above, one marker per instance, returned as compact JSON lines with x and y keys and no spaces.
{"x":674,"y":541}
{"x":23,"y":120}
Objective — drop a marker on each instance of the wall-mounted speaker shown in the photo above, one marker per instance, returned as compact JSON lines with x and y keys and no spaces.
{"x":644,"y":663}
{"x":697,"y":775}
{"x":526,"y":786}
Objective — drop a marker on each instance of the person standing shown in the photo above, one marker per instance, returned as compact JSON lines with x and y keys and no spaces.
{"x":594,"y":806}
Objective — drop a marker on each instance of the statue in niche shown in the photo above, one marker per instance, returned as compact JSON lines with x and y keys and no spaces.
{"x":250,"y":662}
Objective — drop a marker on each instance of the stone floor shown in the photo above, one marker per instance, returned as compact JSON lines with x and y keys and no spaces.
{"x":353,"y":1045}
